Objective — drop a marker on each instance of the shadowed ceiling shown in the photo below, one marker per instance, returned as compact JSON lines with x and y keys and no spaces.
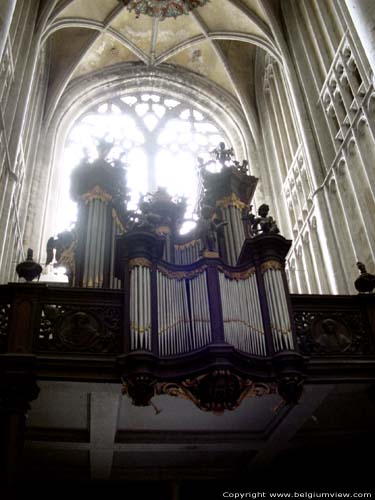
{"x":217,"y":41}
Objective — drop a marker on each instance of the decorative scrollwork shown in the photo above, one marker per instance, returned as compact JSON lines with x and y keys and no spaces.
{"x":139,"y":261}
{"x":188,"y":244}
{"x":231,"y":201}
{"x":333,"y":333}
{"x":96,"y":193}
{"x":93,"y":329}
{"x":237,"y":275}
{"x":217,"y":391}
{"x":179,"y":275}
{"x":270,"y":264}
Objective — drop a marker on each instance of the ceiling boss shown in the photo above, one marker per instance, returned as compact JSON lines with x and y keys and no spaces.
{"x":162,"y":8}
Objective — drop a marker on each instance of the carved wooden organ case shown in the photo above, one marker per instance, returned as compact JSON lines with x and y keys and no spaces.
{"x":207,"y":315}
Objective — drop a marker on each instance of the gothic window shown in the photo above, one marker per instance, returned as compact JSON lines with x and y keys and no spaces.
{"x":157,"y":137}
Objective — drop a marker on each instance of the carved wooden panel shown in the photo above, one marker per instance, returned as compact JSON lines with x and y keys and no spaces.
{"x":333,"y":332}
{"x":77,"y":329}
{"x":4,"y":319}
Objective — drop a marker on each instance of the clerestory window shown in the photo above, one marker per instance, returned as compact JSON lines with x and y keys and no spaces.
{"x":156,"y":136}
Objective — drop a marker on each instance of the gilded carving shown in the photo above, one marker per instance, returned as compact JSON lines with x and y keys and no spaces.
{"x":179,"y":275}
{"x":270,"y":264}
{"x":210,"y":255}
{"x":139,"y":261}
{"x":138,"y":329}
{"x":96,"y":193}
{"x":188,"y":244}
{"x":237,"y":275}
{"x":217,"y":391}
{"x":162,"y":230}
{"x":231,"y":201}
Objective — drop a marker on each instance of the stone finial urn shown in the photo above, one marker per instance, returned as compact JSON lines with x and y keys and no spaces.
{"x":28,"y":269}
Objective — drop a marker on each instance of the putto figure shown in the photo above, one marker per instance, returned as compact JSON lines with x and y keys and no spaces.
{"x":222,"y":155}
{"x":264,"y":223}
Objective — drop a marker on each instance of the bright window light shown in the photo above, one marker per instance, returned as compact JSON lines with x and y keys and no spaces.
{"x":157,"y":137}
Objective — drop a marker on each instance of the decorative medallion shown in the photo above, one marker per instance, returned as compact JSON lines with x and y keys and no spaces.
{"x":162,"y":8}
{"x":68,"y":328}
{"x":332,"y":336}
{"x":341,"y":332}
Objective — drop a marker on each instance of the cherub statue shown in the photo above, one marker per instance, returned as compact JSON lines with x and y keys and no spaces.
{"x":103,"y":148}
{"x":221,"y":154}
{"x":365,"y":283}
{"x":264,"y":223}
{"x":208,"y":228}
{"x":243,"y":168}
{"x":64,"y":245}
{"x":249,"y":218}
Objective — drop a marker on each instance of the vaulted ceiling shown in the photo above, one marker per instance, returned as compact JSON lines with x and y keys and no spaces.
{"x":217,"y":41}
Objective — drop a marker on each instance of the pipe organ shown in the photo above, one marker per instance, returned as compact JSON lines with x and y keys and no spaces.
{"x":242,"y":317}
{"x":219,"y":291}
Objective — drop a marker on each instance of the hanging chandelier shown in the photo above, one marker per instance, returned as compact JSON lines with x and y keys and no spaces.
{"x":162,"y":8}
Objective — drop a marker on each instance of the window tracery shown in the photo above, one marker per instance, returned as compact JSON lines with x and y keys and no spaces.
{"x":156,"y":136}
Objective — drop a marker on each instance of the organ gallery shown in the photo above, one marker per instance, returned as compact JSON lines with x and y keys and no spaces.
{"x":187,"y":247}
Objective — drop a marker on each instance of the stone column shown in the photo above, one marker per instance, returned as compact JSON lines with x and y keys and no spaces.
{"x":6,"y":14}
{"x":362,"y":13}
{"x":17,"y":388}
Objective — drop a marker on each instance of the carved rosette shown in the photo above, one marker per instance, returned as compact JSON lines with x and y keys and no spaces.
{"x":217,"y":391}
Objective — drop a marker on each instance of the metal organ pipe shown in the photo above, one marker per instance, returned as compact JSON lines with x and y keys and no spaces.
{"x":288,"y":326}
{"x":104,"y":233}
{"x":270,"y":300}
{"x":97,"y":244}
{"x":87,"y":243}
{"x":132,"y":300}
{"x":148,"y":307}
{"x":140,"y":308}
{"x":243,"y":326}
{"x":187,"y":253}
{"x":177,"y":334}
{"x":228,"y":233}
{"x":140,"y":305}
{"x":280,"y":320}
{"x":234,"y":229}
{"x":112,"y":257}
{"x":92,"y":245}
